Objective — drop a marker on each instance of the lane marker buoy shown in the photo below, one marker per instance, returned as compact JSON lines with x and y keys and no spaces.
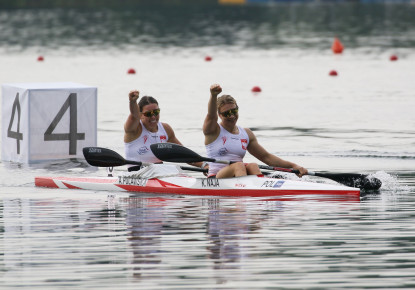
{"x":333,"y":73}
{"x":337,"y":46}
{"x":256,"y":89}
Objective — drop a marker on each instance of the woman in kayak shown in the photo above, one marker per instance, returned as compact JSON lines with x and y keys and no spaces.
{"x":143,"y":128}
{"x":227,"y":141}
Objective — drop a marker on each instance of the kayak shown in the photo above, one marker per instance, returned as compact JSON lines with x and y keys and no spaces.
{"x":252,"y":185}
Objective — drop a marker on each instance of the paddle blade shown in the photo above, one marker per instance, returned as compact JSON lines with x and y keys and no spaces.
{"x":171,"y":152}
{"x":361,"y":181}
{"x":102,"y":157}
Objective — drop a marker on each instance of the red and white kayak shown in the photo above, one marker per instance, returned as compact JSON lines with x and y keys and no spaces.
{"x":188,"y":185}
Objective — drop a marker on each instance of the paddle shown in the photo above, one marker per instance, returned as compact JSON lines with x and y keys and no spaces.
{"x":358,"y":180}
{"x":176,"y":153}
{"x":103,"y":157}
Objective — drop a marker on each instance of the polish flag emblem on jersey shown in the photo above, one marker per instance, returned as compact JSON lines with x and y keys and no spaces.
{"x":244,"y":143}
{"x":163,"y":137}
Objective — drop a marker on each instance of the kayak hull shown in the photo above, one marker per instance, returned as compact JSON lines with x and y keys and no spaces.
{"x":187,"y":185}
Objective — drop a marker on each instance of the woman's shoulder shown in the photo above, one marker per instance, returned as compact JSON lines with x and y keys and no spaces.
{"x":167,"y":128}
{"x":250,"y":134}
{"x":166,"y":125}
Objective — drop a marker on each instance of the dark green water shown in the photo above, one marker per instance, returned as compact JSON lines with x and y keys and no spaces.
{"x":304,"y":26}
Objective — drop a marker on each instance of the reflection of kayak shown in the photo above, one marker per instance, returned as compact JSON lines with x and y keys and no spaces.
{"x":237,"y":186}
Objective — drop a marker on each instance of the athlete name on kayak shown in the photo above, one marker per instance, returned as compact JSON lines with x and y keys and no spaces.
{"x":129,"y":180}
{"x":210,"y":182}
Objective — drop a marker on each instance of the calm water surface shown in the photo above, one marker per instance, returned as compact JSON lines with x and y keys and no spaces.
{"x":360,"y":121}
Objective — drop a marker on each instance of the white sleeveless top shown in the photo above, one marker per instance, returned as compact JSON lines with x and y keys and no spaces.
{"x":227,"y":146}
{"x":139,"y":149}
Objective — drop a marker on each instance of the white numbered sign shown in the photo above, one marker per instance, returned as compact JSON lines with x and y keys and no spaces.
{"x":47,"y":121}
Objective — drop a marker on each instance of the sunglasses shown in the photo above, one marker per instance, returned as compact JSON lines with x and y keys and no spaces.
{"x":155,"y":112}
{"x":230,"y":112}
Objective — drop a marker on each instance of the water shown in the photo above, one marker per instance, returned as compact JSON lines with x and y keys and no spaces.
{"x":360,"y":121}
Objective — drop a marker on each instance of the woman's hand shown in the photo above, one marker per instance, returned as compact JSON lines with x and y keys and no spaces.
{"x":133,"y":96}
{"x":303,"y":171}
{"x":215,"y":90}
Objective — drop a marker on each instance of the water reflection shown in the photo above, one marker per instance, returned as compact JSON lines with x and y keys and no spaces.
{"x":149,"y":219}
{"x":226,"y":228}
{"x":144,"y":220}
{"x":160,"y":240}
{"x":158,"y":226}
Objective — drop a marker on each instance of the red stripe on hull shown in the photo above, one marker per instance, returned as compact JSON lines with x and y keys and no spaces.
{"x":70,"y":186}
{"x":232,"y":192}
{"x":45,"y":182}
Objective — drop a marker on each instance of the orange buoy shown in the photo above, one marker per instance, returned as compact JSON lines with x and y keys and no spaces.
{"x":208,"y":58}
{"x":393,"y":58}
{"x":333,"y":73}
{"x":131,"y":71}
{"x":337,"y":46}
{"x":256,"y":89}
{"x":40,"y":58}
